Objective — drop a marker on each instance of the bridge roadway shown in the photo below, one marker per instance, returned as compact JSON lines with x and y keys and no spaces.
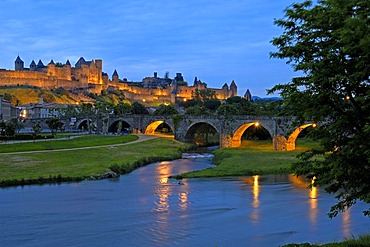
{"x":230,"y":128}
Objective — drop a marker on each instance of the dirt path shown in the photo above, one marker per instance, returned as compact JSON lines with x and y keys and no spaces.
{"x":141,"y":139}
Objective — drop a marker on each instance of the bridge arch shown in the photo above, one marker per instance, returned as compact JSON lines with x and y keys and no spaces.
{"x":202,"y":134}
{"x":237,"y":135}
{"x":119,"y":126}
{"x":83,"y":124}
{"x":153,"y":126}
{"x":290,"y":144}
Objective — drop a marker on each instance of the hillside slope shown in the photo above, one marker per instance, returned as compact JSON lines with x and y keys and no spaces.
{"x":21,"y":95}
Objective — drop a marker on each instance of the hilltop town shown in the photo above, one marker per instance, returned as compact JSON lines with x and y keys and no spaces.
{"x":88,"y":77}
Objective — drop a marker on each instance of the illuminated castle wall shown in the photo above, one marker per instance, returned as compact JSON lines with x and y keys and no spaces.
{"x":89,"y":75}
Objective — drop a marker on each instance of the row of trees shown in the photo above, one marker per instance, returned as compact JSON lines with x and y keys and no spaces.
{"x":204,"y":102}
{"x":13,"y":126}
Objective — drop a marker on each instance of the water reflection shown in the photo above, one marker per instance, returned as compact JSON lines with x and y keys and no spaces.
{"x":346,"y":223}
{"x":163,"y":190}
{"x":312,"y":193}
{"x":183,"y":200}
{"x":255,"y":216}
{"x":256,"y":191}
{"x":313,"y":205}
{"x":254,"y":182}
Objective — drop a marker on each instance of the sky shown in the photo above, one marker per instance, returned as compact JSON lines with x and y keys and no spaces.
{"x":217,"y":41}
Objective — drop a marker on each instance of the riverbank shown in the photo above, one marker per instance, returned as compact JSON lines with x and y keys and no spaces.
{"x":252,"y":158}
{"x":29,"y":165}
{"x":363,"y":240}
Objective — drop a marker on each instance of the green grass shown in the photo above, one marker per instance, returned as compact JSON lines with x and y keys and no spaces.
{"x":81,"y":164}
{"x":252,"y":158}
{"x":81,"y":141}
{"x":363,"y":240}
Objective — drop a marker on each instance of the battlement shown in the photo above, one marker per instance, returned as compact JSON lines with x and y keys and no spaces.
{"x":90,"y":75}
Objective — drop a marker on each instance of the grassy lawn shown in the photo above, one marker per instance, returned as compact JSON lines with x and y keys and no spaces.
{"x":81,"y":141}
{"x":252,"y":158}
{"x":82,"y":164}
{"x":363,"y":240}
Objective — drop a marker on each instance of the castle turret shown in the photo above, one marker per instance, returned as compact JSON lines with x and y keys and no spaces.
{"x":248,"y":96}
{"x":80,"y":62}
{"x":115,"y":77}
{"x":105,"y":78}
{"x":234,"y":89}
{"x":33,"y":65}
{"x":179,"y":77}
{"x":18,"y":64}
{"x":68,"y":70}
{"x":40,"y":65}
{"x":51,"y":68}
{"x":99,"y":66}
{"x":225,"y":91}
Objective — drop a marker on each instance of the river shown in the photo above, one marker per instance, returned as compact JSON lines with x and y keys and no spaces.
{"x":144,"y":208}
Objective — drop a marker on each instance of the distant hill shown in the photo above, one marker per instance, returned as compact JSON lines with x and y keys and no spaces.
{"x":27,"y":95}
{"x":266,"y":98}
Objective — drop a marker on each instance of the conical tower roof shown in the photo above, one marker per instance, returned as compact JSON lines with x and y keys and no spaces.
{"x":40,"y":64}
{"x":18,"y":59}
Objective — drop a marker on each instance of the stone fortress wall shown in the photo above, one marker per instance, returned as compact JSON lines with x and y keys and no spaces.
{"x":90,"y":76}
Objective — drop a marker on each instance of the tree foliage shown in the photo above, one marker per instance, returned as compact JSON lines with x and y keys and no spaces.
{"x":165,"y":110}
{"x":196,"y":110}
{"x":9,"y":128}
{"x":122,"y":109}
{"x":329,"y":44}
{"x":139,"y":108}
{"x":86,"y":109}
{"x":54,"y":124}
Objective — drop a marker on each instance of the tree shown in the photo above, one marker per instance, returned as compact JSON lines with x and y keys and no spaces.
{"x":226,"y":109}
{"x":54,"y":124}
{"x":122,"y":109}
{"x":203,"y":95}
{"x":13,"y":126}
{"x":139,"y":108}
{"x":329,"y":44}
{"x":196,"y":110}
{"x":36,"y":127}
{"x":165,"y":110}
{"x":86,"y":109}
{"x":2,"y":128}
{"x":212,"y":104}
{"x":69,"y":111}
{"x":104,"y":108}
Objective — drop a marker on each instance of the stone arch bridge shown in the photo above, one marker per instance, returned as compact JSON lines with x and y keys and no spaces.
{"x":229,"y":128}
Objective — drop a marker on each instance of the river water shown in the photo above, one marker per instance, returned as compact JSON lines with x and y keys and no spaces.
{"x":145,"y":208}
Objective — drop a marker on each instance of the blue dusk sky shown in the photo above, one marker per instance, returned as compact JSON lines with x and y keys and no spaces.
{"x":215,"y":40}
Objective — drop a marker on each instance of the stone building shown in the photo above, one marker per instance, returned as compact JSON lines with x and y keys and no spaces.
{"x":89,"y":75}
{"x":7,"y":111}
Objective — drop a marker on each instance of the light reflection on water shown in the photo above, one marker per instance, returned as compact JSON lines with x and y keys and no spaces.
{"x":145,"y":208}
